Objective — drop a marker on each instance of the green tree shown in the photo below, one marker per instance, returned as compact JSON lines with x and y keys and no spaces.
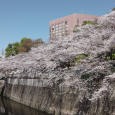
{"x":37,"y":41}
{"x":22,"y":40}
{"x":113,"y":9}
{"x":25,"y":45}
{"x":12,"y":49}
{"x":8,"y":50}
{"x":15,"y":47}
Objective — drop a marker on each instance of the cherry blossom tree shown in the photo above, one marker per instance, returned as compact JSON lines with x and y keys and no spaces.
{"x":93,"y":41}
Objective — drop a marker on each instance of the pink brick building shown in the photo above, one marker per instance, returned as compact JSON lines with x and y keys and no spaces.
{"x":64,"y":26}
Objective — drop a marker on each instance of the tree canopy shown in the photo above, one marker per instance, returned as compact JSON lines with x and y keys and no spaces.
{"x":24,"y":46}
{"x":92,"y":44}
{"x":113,"y":9}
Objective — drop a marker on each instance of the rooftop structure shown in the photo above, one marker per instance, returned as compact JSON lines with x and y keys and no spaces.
{"x":64,"y":26}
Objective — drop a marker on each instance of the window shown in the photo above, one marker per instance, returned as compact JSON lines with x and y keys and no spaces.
{"x":62,"y":29}
{"x":59,"y":36}
{"x":52,"y":31}
{"x":59,"y":33}
{"x":56,"y":25}
{"x":56,"y":36}
{"x":62,"y":26}
{"x":56,"y":31}
{"x":59,"y":30}
{"x":56,"y":28}
{"x":65,"y":22}
{"x":52,"y":28}
{"x":62,"y":32}
{"x":62,"y":23}
{"x":59,"y":27}
{"x":66,"y":25}
{"x":59,"y":24}
{"x":66,"y":28}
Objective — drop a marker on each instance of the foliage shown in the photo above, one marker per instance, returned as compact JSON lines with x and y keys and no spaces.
{"x":87,"y":75}
{"x":15,"y":47}
{"x":25,"y":45}
{"x":94,"y":41}
{"x":79,"y":57}
{"x":89,"y":22}
{"x":111,"y":54}
{"x":37,"y":41}
{"x":75,"y":31}
{"x":75,"y":27}
{"x":112,"y":69}
{"x":12,"y":49}
{"x":22,"y":41}
{"x":113,"y":9}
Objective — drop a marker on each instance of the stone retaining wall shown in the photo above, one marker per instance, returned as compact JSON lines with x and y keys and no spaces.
{"x":36,"y":94}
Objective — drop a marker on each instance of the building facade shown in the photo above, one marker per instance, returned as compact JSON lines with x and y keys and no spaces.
{"x":64,"y":26}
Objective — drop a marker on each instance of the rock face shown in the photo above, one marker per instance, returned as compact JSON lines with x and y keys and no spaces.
{"x":34,"y":93}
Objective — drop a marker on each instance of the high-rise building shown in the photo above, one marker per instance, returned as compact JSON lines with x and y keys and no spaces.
{"x":64,"y":26}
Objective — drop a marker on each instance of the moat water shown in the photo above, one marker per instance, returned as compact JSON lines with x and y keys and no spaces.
{"x":9,"y":107}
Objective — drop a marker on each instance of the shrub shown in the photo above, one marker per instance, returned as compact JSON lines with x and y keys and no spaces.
{"x":89,"y":22}
{"x":79,"y":57}
{"x":75,"y":27}
{"x":85,"y":76}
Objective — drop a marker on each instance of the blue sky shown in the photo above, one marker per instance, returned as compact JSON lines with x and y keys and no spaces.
{"x":30,"y":18}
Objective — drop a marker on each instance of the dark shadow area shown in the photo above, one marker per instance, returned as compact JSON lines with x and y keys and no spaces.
{"x":9,"y":107}
{"x":2,"y":92}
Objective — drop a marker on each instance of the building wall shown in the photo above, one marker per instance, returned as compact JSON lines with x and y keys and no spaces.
{"x":71,"y":20}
